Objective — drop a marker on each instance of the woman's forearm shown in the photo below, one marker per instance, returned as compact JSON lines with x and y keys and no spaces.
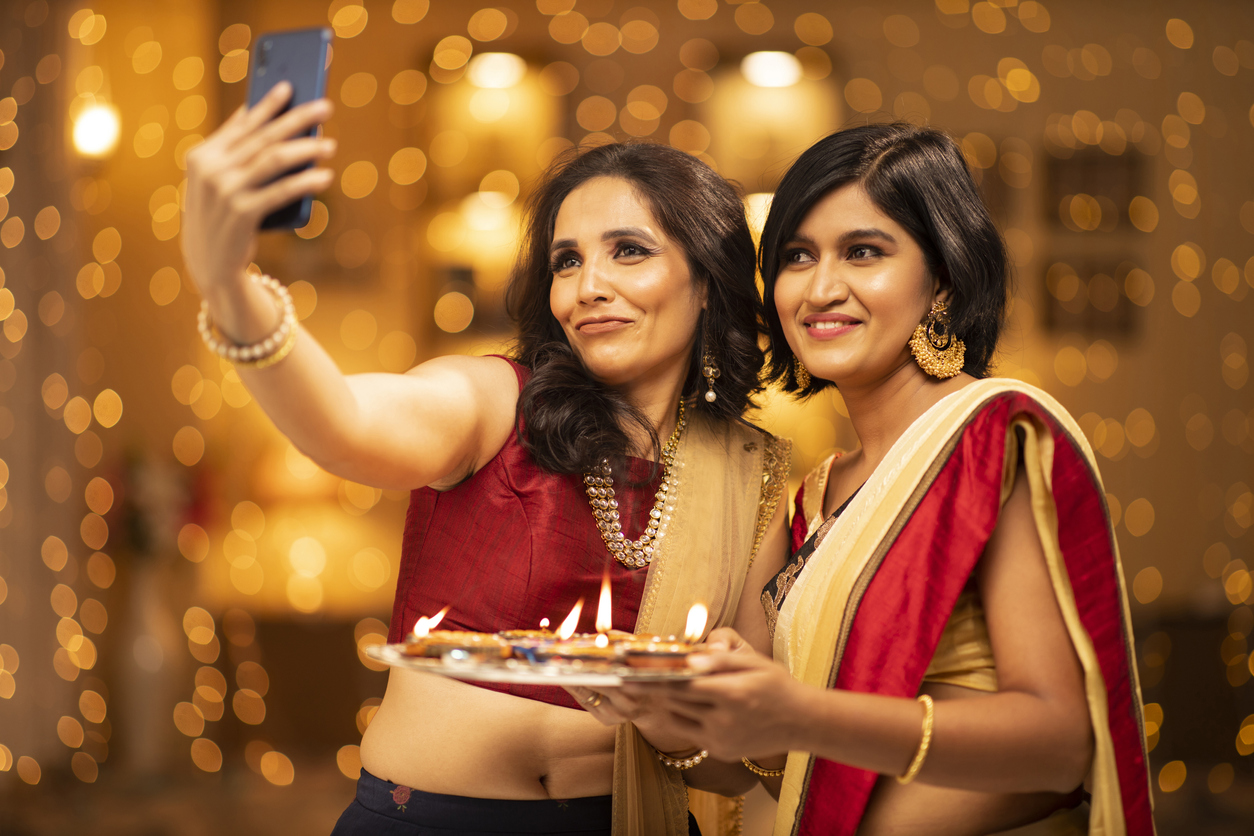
{"x":311,"y":402}
{"x":1005,"y":742}
{"x":305,"y":395}
{"x":351,"y":425}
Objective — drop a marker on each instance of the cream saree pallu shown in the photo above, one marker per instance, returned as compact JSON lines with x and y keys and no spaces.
{"x":867,"y":610}
{"x":731,"y":477}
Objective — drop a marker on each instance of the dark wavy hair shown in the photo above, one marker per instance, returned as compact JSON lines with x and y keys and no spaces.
{"x":571,"y":421}
{"x":919,"y":178}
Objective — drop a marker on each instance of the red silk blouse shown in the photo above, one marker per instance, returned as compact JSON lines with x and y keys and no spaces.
{"x":514,"y":544}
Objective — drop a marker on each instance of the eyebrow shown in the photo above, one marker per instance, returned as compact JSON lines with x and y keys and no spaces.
{"x":870,"y":232}
{"x":609,"y":235}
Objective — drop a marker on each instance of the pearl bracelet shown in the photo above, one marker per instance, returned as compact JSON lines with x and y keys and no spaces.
{"x":264,"y":352}
{"x":685,"y":763}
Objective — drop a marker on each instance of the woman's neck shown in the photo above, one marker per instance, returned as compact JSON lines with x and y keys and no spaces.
{"x":657,"y":398}
{"x":880,"y":412}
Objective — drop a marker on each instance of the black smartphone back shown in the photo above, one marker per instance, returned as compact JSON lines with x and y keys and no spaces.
{"x":298,"y":56}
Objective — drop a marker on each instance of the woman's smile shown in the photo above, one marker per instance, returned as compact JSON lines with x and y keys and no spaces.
{"x":604,"y":324}
{"x":829,"y":326}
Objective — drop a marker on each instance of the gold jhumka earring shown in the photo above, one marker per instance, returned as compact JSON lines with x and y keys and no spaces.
{"x":935,"y":348}
{"x":801,"y":374}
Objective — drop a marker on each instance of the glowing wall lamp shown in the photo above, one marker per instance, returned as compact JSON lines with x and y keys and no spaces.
{"x":771,"y":69}
{"x":763,"y":111}
{"x":496,"y":70}
{"x":96,"y":130}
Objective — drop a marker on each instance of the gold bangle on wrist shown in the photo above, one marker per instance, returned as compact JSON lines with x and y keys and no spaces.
{"x":283,"y":351}
{"x":921,"y":754}
{"x":264,"y":352}
{"x":760,"y":770}
{"x":683,"y":763}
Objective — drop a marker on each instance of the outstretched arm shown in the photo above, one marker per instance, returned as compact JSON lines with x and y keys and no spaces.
{"x":433,"y":425}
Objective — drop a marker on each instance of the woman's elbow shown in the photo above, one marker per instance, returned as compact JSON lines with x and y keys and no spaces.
{"x":1073,"y":749}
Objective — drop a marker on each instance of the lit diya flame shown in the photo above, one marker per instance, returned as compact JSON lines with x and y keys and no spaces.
{"x":696,"y":623}
{"x":567,"y":628}
{"x":544,"y":624}
{"x":603,"y":608}
{"x":602,"y":640}
{"x":426,"y":625}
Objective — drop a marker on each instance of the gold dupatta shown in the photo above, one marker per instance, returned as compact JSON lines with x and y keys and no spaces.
{"x":815,"y":620}
{"x":730,"y":479}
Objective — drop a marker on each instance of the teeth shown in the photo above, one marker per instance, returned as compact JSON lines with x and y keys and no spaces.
{"x":828,"y":326}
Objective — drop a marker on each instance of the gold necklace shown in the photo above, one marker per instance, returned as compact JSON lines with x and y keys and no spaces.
{"x":599,"y":484}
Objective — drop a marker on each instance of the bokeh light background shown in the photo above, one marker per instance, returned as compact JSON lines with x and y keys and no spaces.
{"x":184,"y":597}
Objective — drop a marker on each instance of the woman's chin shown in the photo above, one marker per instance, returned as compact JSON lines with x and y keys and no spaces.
{"x":830,"y":371}
{"x":609,"y":371}
{"x":618,"y":368}
{"x":858,"y":370}
{"x":615,"y":368}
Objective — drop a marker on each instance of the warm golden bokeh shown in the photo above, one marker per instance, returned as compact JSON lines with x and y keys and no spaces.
{"x":166,"y":557}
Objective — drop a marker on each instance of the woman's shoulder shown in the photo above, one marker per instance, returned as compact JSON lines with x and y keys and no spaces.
{"x":986,"y":407}
{"x":989,"y":389}
{"x":489,"y":384}
{"x":748,"y":450}
{"x":480,"y":393}
{"x":996,"y":392}
{"x":476,"y":367}
{"x":750,"y":438}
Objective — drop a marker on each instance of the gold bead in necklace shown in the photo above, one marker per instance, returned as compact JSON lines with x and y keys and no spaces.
{"x":599,"y":484}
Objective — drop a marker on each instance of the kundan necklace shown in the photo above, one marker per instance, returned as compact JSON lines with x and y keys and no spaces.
{"x":634,"y":554}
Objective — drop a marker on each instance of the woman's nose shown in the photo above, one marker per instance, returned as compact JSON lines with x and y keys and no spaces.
{"x":594,"y":282}
{"x":827,"y":284}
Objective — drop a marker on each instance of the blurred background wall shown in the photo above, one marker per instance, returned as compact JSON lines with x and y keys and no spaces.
{"x":184,"y":597}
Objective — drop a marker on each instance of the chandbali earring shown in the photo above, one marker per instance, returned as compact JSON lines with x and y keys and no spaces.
{"x":710,"y":372}
{"x":801,"y":374}
{"x":935,"y":348}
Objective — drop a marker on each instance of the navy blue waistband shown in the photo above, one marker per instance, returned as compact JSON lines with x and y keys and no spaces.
{"x":462,"y":814}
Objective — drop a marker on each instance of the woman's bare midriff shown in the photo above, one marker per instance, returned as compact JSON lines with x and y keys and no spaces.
{"x":443,"y":736}
{"x":927,"y":810}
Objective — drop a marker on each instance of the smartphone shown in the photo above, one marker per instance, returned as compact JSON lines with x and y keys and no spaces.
{"x":299,"y":57}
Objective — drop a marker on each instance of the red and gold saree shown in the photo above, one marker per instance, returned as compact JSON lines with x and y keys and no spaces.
{"x":868,"y":609}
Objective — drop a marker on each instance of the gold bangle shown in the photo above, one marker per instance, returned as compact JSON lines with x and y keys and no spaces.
{"x":266,"y":362}
{"x":683,"y":763}
{"x":921,"y":755}
{"x":761,"y":771}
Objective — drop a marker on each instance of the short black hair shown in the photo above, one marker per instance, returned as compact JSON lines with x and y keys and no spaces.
{"x":919,"y":178}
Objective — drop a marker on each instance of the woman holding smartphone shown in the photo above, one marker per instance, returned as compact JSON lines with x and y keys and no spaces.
{"x":952,"y":647}
{"x":613,"y":436}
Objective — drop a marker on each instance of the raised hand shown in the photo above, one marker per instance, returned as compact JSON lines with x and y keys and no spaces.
{"x":231,"y":186}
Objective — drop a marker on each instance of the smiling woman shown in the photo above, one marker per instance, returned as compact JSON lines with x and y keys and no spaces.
{"x":953,"y":615}
{"x":657,"y":211}
{"x":937,"y":230}
{"x":534,"y":476}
